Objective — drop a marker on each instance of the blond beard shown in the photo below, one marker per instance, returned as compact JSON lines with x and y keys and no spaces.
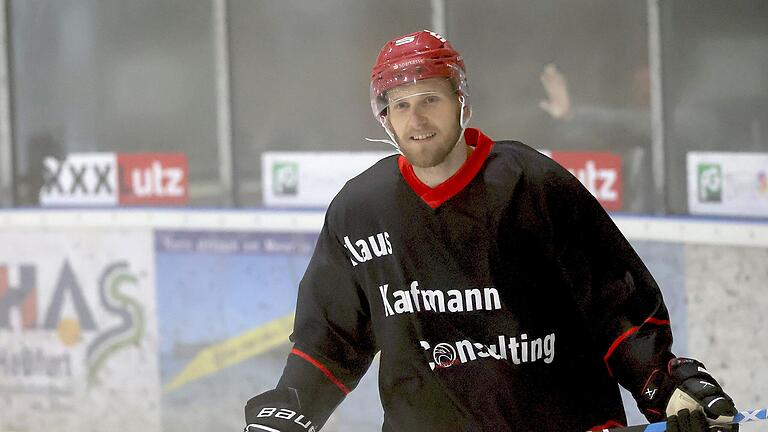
{"x":436,"y":157}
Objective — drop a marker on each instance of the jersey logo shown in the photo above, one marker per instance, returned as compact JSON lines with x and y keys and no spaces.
{"x":366,"y":249}
{"x":444,"y":355}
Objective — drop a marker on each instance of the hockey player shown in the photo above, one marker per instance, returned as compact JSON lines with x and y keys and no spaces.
{"x":500,"y":294}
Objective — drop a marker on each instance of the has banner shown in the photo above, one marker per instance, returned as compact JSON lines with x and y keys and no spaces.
{"x":78,"y":332}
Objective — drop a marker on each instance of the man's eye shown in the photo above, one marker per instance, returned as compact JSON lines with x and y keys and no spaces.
{"x":431,"y":99}
{"x":400,"y":106}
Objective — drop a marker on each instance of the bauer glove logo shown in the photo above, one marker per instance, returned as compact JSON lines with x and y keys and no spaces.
{"x":280,"y":413}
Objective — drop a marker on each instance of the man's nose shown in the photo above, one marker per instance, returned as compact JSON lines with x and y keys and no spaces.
{"x":417,"y":116}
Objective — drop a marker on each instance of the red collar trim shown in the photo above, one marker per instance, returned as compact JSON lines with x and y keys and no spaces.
{"x":441,"y":193}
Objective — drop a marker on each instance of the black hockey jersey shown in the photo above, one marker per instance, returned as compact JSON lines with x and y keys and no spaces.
{"x":503,"y":299}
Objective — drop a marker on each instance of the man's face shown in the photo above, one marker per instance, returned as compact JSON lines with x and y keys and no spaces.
{"x":424,"y":117}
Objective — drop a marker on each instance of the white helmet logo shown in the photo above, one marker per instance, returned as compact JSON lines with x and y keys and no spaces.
{"x":405,"y":40}
{"x":440,"y":38}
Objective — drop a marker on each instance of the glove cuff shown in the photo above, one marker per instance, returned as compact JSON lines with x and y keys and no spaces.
{"x":277,"y":410}
{"x":653,"y":397}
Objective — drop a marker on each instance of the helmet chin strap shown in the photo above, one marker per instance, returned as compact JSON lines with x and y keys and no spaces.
{"x":392,"y":141}
{"x":463,"y":121}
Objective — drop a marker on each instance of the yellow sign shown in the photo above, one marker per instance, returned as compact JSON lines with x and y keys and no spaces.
{"x":234,"y":350}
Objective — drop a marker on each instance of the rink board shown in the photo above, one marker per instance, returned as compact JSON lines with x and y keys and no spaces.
{"x":217,"y":289}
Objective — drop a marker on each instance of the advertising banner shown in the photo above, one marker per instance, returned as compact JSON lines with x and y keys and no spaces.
{"x":110,"y":179}
{"x":153,"y":178}
{"x":302,"y":179}
{"x":310,"y":179}
{"x":599,"y":172}
{"x":78,"y":338}
{"x":723,"y":183}
{"x":80,"y":178}
{"x":226,"y":307}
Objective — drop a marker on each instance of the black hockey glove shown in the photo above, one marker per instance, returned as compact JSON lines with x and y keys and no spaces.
{"x":688,"y":421}
{"x":685,"y":394}
{"x":277,"y":410}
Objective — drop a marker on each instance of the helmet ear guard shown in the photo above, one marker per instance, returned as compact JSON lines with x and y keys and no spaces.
{"x":466,"y":111}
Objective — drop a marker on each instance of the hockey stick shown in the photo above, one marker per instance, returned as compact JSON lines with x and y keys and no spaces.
{"x":740,"y":417}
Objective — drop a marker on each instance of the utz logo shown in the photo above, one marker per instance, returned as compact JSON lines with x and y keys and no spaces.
{"x":153,"y":178}
{"x":599,"y":172}
{"x":67,"y":313}
{"x":285,"y":178}
{"x":710,"y":182}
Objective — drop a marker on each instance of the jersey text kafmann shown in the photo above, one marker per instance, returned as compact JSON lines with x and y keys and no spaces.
{"x":414,"y":300}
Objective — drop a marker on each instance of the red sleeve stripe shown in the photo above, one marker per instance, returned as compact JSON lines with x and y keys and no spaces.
{"x":657,"y":321}
{"x":607,"y":425}
{"x":627,"y":334}
{"x":322,"y":369}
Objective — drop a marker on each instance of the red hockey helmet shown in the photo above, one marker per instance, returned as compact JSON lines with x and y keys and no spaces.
{"x":414,"y":57}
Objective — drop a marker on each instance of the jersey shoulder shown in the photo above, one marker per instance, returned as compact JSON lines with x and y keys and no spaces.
{"x":374,"y":185}
{"x":529,"y":162}
{"x":378,"y":178}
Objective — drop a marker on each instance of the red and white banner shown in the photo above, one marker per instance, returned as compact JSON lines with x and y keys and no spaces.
{"x":599,"y":172}
{"x":153,"y":178}
{"x":109,"y":179}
